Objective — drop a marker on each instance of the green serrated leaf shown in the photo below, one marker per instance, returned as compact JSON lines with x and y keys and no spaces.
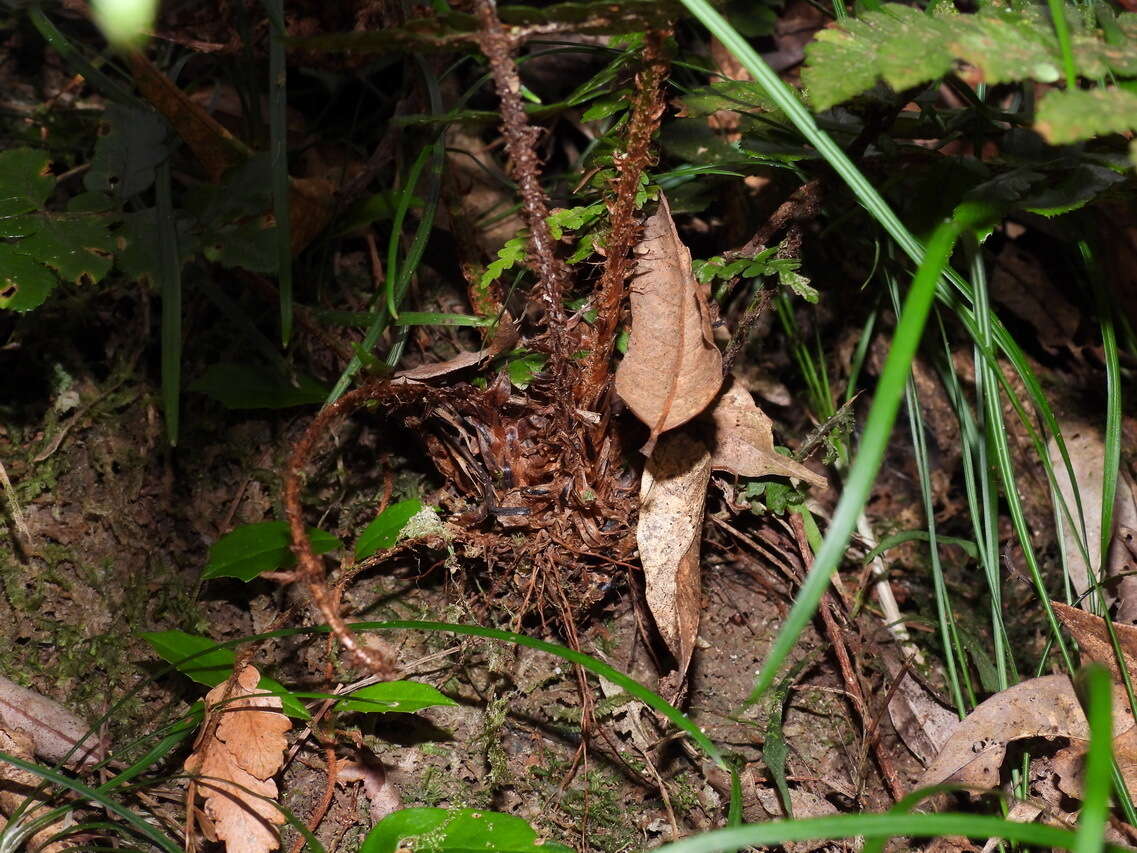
{"x":252,"y":549}
{"x":508,"y":256}
{"x":246,"y":386}
{"x":24,"y":282}
{"x":383,"y":532}
{"x":128,"y":155}
{"x":403,"y":697}
{"x":904,"y":47}
{"x":1066,"y":116}
{"x":25,"y":182}
{"x":78,"y":246}
{"x":454,"y":830}
{"x":211,"y":665}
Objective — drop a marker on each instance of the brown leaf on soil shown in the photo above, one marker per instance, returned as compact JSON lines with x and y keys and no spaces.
{"x":743,"y":441}
{"x":54,"y":731}
{"x":673,"y":369}
{"x":1086,"y":448}
{"x":237,"y":763}
{"x":369,"y":770}
{"x":1039,"y":707}
{"x":672,"y":494}
{"x":1093,"y":636}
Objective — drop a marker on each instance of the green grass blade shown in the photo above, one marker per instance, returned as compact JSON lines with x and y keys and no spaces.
{"x":404,"y":204}
{"x":653,"y":700}
{"x":1099,"y":761}
{"x":94,"y":795}
{"x":170,"y":286}
{"x":79,"y":63}
{"x":278,"y":151}
{"x":1062,"y":31}
{"x":875,"y":826}
{"x":878,"y":428}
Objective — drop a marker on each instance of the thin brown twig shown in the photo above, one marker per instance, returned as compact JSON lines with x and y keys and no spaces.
{"x":848,"y":671}
{"x":520,"y":143}
{"x":325,"y":801}
{"x":310,"y":569}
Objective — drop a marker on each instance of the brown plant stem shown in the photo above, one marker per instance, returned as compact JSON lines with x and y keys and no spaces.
{"x":647,"y":108}
{"x":310,"y":569}
{"x":520,"y":143}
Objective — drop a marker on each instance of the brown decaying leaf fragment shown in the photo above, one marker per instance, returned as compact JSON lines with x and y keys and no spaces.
{"x":672,"y":494}
{"x":56,"y":733}
{"x":673,"y":369}
{"x":743,"y":442}
{"x":236,"y":764}
{"x":1093,"y":637}
{"x":1086,"y":447}
{"x":1040,"y":707}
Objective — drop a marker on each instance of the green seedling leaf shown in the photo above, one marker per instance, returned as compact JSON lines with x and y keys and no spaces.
{"x":508,"y":256}
{"x":604,"y":107}
{"x":210,"y":664}
{"x":524,"y":368}
{"x":24,"y":282}
{"x":905,"y":47}
{"x":384,"y":531}
{"x":245,"y":386}
{"x":736,"y":95}
{"x":127,"y":157}
{"x":403,"y":697}
{"x":251,"y":549}
{"x":25,"y":182}
{"x":435,"y":318}
{"x":456,"y":831}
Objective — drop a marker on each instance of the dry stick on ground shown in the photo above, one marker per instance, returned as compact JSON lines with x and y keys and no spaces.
{"x":848,"y":673}
{"x":520,"y":143}
{"x":647,"y":108}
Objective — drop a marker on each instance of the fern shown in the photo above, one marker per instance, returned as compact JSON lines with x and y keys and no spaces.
{"x":906,"y":47}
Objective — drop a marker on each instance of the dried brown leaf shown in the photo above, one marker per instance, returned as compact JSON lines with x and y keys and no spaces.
{"x":369,"y":770}
{"x":1039,"y":707}
{"x":1086,"y":448}
{"x":672,"y":494}
{"x":672,"y":369}
{"x":54,"y":730}
{"x":1093,"y":636}
{"x":237,"y":763}
{"x":743,"y":441}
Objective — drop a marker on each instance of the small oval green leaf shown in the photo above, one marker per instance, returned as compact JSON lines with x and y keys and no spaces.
{"x":384,"y":531}
{"x":404,"y":697}
{"x":453,"y":830}
{"x":252,"y":549}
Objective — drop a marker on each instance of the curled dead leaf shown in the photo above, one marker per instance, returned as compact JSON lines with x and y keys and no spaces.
{"x":235,"y":765}
{"x":673,"y":492}
{"x":1085,"y":446}
{"x":1039,"y":707}
{"x":743,"y":440}
{"x":672,"y":370}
